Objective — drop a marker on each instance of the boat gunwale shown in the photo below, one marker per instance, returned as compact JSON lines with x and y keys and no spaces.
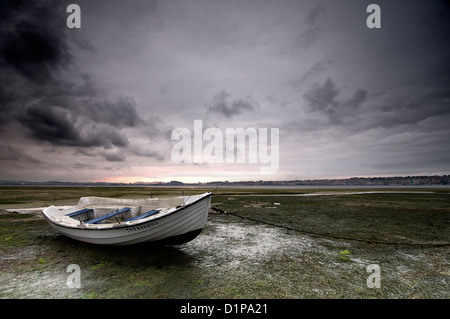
{"x":125,"y":225}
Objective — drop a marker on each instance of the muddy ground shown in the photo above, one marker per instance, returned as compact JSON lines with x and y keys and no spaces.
{"x":240,"y":258}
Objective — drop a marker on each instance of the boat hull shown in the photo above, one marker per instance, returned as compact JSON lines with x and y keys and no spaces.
{"x":178,"y":227}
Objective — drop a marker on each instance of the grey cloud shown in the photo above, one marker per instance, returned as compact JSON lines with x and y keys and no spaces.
{"x":103,"y":136}
{"x":146,"y":153}
{"x":307,"y":37}
{"x":311,"y":28}
{"x":324,"y":98}
{"x":15,"y":154}
{"x":114,"y":156}
{"x":273,"y":100}
{"x":119,"y":112}
{"x":221,"y":105}
{"x":358,"y":97}
{"x":420,"y":110}
{"x":314,"y":13}
{"x":78,"y":165}
{"x":312,"y":72}
{"x":394,"y":111}
{"x":164,"y":89}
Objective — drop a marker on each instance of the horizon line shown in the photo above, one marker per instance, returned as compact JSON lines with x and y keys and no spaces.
{"x":11,"y":181}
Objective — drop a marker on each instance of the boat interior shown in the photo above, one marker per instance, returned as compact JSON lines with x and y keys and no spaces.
{"x":106,"y":211}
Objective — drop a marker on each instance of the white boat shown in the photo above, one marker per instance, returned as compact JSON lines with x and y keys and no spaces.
{"x":113,"y":221}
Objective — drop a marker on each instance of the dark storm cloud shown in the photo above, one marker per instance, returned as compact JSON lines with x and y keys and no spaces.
{"x":413,"y":110}
{"x":33,"y":42}
{"x":50,"y":107}
{"x":61,"y":127}
{"x":49,"y":124}
{"x":72,"y":114}
{"x":120,"y":112}
{"x":386,"y":110}
{"x":221,"y":105}
{"x":358,"y":97}
{"x":32,"y":49}
{"x":324,"y":98}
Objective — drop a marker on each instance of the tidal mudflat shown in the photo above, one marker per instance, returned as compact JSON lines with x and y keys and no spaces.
{"x":240,"y":258}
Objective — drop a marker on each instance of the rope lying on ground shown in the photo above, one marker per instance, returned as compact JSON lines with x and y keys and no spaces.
{"x":216,"y":209}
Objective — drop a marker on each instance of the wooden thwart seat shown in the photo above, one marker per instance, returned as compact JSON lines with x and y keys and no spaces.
{"x":79,"y":212}
{"x":109,"y":215}
{"x":147,"y":214}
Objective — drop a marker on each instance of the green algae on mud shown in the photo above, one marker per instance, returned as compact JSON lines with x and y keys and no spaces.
{"x":236,"y":258}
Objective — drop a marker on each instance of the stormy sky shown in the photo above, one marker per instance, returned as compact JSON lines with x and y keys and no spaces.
{"x":100,"y":103}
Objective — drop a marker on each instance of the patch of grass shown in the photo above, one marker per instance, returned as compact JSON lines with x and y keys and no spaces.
{"x":90,"y":295}
{"x":15,"y":235}
{"x":15,"y":216}
{"x":100,"y":265}
{"x":344,"y":255}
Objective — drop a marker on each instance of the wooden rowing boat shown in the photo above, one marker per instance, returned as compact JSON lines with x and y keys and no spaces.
{"x":112,"y":221}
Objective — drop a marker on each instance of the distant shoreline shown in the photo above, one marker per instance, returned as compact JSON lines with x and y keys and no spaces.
{"x":202,"y":186}
{"x":371,"y":182}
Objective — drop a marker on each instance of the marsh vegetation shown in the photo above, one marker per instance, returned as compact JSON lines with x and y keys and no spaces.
{"x":235,"y":257}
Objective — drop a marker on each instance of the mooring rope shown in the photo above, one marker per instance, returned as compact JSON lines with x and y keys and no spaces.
{"x":214,"y":208}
